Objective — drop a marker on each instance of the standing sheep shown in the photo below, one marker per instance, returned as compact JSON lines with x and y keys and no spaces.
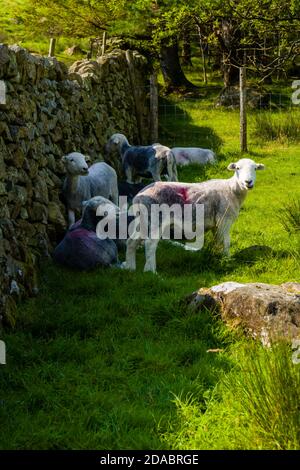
{"x":143,"y":161}
{"x":221,"y":198}
{"x":83,"y":183}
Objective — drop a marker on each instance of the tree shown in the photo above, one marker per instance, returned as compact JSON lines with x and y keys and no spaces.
{"x":143,"y":22}
{"x":247,"y":33}
{"x":264,"y":35}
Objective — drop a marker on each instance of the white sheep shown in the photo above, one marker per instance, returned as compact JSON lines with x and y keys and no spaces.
{"x":143,"y":161}
{"x":83,"y":183}
{"x":188,"y":155}
{"x":221,"y":199}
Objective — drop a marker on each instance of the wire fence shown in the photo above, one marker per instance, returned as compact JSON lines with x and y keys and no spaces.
{"x":203,"y":121}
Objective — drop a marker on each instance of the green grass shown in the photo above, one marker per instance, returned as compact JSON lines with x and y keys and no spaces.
{"x":249,"y":408}
{"x":279,"y":126}
{"x":114,"y":360}
{"x":13,"y":30}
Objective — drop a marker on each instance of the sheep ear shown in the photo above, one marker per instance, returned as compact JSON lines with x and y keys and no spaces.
{"x":260,"y":166}
{"x":87,"y":158}
{"x":231,"y":166}
{"x":64,"y":159}
{"x":84,"y":203}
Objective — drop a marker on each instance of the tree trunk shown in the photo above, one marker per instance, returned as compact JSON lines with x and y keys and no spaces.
{"x":186,"y":48}
{"x":229,"y":37}
{"x":171,"y":69}
{"x":230,"y":74}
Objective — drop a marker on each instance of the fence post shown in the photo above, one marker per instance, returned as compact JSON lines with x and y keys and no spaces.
{"x":203,"y":56}
{"x":135,"y":92}
{"x":153,"y":108}
{"x":243,"y":114}
{"x":52,"y":47}
{"x":103,"y":48}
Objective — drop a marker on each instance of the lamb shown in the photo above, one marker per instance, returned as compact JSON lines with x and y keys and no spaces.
{"x":221,"y":198}
{"x":81,"y":248}
{"x":83,"y":183}
{"x":188,"y":155}
{"x":143,"y":161}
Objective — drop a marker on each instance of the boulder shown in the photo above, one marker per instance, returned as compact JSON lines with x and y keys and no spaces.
{"x":264,"y":311}
{"x":230,"y":98}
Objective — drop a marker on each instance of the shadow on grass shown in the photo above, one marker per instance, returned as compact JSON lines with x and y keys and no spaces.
{"x":252,"y":254}
{"x":112,"y":345}
{"x":177,"y":130}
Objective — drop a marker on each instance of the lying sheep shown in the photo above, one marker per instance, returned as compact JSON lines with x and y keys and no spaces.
{"x":81,"y":248}
{"x":82,"y":182}
{"x":188,"y":155}
{"x":152,"y":160}
{"x":222,"y":200}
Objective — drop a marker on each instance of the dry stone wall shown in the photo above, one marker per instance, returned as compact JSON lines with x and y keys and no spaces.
{"x":51,"y":110}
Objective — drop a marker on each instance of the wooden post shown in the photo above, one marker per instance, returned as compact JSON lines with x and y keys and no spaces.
{"x":52,"y":47}
{"x":243,"y":114}
{"x":153,"y":108}
{"x":135,"y":92}
{"x":203,"y":56}
{"x":103,"y":48}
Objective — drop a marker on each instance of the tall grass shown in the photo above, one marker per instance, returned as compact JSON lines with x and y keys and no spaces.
{"x":270,"y":126}
{"x":256,"y":406}
{"x":290,"y":216}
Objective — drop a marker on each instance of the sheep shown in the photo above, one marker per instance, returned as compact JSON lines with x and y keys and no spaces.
{"x":188,"y":155}
{"x":82,"y":183}
{"x":130,"y":190}
{"x":143,"y":161}
{"x":81,"y":248}
{"x":221,"y":199}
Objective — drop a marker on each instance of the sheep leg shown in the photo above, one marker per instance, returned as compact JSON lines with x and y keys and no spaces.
{"x":71,"y":217}
{"x":172,"y":171}
{"x":223,"y":239}
{"x":150,"y":253}
{"x":129,"y":176}
{"x":156,"y":175}
{"x":131,"y":246}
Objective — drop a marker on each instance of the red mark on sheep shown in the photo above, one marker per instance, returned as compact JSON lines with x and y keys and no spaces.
{"x":183,"y":193}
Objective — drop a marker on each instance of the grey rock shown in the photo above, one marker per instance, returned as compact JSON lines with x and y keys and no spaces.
{"x":264,"y":311}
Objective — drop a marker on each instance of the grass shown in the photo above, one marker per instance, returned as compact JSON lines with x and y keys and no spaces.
{"x":290,"y":216}
{"x":114,"y":360}
{"x":282,"y":127}
{"x":249,"y":408}
{"x":12,"y":30}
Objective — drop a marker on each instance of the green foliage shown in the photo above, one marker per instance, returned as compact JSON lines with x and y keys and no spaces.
{"x":278,"y":126}
{"x":255,"y":406}
{"x":290,"y":216}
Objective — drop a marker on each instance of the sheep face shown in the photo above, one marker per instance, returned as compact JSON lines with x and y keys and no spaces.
{"x":115,"y":143}
{"x":76,"y":164}
{"x":245,"y":172}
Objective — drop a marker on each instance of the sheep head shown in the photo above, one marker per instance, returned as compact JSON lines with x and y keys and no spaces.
{"x":76,"y":164}
{"x":245,"y":172}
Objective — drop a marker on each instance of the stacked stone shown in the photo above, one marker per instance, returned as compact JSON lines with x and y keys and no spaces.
{"x":51,"y":111}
